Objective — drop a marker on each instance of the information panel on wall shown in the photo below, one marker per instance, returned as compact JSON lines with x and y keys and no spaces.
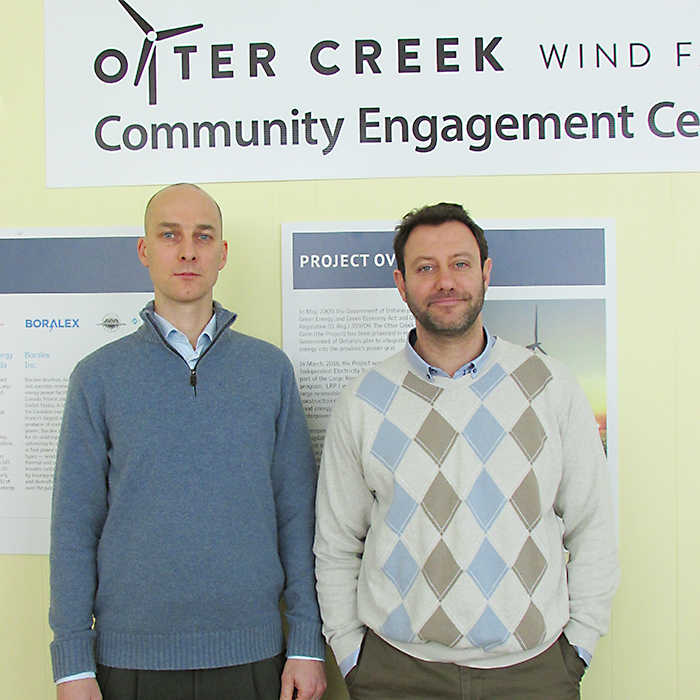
{"x":63,"y":293}
{"x":552,"y":290}
{"x":145,"y":92}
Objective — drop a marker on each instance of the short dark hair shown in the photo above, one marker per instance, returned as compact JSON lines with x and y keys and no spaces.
{"x":434,"y":215}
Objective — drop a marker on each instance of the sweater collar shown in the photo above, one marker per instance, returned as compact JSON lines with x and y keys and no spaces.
{"x":224,"y":318}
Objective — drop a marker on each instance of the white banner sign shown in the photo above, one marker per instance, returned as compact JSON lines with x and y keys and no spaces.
{"x":149,"y":91}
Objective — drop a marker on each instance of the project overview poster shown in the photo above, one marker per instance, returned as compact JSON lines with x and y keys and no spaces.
{"x":63,"y":293}
{"x":552,"y":289}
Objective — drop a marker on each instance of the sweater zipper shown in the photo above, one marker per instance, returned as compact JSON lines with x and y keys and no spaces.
{"x":193,"y":370}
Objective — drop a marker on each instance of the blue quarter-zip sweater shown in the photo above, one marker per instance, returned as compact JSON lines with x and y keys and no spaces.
{"x":182,"y":508}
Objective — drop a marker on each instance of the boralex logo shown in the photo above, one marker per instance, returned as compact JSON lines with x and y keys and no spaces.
{"x":148,"y":51}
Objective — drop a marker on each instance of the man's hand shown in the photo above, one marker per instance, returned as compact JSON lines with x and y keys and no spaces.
{"x":306,"y":676}
{"x":83,"y":689}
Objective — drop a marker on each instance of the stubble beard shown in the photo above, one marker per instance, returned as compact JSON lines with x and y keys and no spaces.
{"x":448,"y":329}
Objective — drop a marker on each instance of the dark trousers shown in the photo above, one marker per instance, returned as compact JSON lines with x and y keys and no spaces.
{"x":255,"y":681}
{"x":385,"y":673}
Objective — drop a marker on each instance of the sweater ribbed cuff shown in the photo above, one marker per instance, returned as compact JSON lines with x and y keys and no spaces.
{"x":74,"y":656}
{"x":348,"y":644}
{"x":305,"y":639}
{"x":581,"y":636}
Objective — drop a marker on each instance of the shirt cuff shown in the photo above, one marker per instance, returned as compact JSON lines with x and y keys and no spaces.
{"x":76,"y":677}
{"x":308,"y":658}
{"x":349,"y":662}
{"x":585,"y":655}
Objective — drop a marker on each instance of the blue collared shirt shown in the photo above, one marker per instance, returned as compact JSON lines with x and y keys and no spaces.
{"x":179,"y":341}
{"x":472,"y":367}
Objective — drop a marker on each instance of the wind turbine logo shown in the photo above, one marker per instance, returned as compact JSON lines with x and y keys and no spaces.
{"x":536,"y":345}
{"x":148,"y":50}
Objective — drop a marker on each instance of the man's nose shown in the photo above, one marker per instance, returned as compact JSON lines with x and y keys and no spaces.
{"x":187,"y":250}
{"x":445,"y":279}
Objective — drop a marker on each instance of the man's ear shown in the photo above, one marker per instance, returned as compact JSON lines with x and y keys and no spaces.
{"x":486,"y":273}
{"x":400,"y":283}
{"x":141,"y":250}
{"x":224,"y":254}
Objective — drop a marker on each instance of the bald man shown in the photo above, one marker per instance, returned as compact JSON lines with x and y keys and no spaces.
{"x":183,"y":497}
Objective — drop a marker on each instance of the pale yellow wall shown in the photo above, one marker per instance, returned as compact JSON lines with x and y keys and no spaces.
{"x":651,"y":650}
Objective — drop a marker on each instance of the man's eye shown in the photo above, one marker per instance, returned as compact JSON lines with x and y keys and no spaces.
{"x":461,"y":264}
{"x":425,"y":268}
{"x":168,"y":234}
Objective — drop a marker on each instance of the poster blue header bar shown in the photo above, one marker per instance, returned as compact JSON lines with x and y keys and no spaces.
{"x":521,"y":258}
{"x":347,"y":260}
{"x":71,"y":266}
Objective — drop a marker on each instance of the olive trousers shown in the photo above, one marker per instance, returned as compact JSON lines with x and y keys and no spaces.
{"x":385,"y":673}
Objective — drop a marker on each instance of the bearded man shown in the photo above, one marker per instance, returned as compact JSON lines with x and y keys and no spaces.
{"x":464,"y":538}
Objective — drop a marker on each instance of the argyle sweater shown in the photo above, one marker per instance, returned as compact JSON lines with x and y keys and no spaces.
{"x":182,"y":508}
{"x":445,"y":511}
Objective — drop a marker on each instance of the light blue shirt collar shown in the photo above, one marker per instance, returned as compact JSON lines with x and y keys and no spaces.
{"x":425,"y":370}
{"x":178,"y":340}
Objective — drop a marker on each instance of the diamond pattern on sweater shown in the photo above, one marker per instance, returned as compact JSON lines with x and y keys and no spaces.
{"x":439,"y":628}
{"x":401,"y":509}
{"x":531,"y":631}
{"x":401,"y":568}
{"x":441,"y":571}
{"x":485,"y":500}
{"x":424,"y":390}
{"x":483,"y":386}
{"x":489,"y":631}
{"x":529,"y":434}
{"x":440,"y":503}
{"x":390,"y":445}
{"x":377,"y":391}
{"x":530,"y":565}
{"x":445,"y":449}
{"x":532,"y":377}
{"x":436,"y":436}
{"x":526,"y":501}
{"x":487,"y":569}
{"x":484,"y":433}
{"x":398,"y":626}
